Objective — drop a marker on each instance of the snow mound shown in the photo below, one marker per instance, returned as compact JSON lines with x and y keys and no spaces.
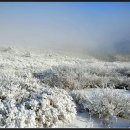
{"x":37,"y":109}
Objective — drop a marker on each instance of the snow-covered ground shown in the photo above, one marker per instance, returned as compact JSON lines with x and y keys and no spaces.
{"x":33,"y":81}
{"x":85,"y":120}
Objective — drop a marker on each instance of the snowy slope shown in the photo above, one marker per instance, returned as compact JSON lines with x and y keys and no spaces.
{"x":60,"y":73}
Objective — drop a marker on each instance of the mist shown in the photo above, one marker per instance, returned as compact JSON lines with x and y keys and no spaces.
{"x":95,"y":28}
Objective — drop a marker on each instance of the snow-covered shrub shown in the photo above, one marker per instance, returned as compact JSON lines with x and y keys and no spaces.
{"x":120,"y":82}
{"x":27,"y":54}
{"x":8,"y":49}
{"x":123,"y":71}
{"x":105,"y":103}
{"x":20,"y":84}
{"x":68,"y":77}
{"x":39,"y":108}
{"x":80,"y":77}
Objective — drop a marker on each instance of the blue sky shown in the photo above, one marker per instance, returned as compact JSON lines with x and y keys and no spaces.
{"x":64,"y":24}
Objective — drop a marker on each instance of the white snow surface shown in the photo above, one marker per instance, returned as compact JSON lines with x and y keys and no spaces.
{"x":27,"y":101}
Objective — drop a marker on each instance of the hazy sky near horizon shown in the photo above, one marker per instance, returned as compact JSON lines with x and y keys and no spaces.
{"x":76,"y":25}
